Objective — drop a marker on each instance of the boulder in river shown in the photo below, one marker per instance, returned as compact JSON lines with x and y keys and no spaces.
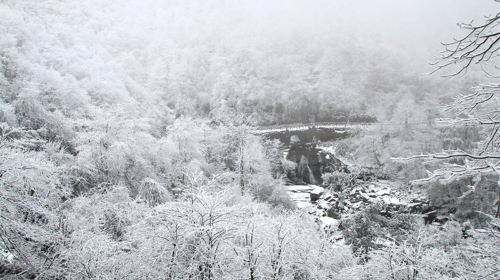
{"x":316,"y":193}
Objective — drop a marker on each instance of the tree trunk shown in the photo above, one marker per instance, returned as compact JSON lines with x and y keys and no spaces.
{"x":242,"y":172}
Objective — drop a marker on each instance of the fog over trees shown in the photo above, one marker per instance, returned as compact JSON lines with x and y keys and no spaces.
{"x":325,"y":139}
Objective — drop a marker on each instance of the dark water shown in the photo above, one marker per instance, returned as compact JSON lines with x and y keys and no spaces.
{"x":312,"y":163}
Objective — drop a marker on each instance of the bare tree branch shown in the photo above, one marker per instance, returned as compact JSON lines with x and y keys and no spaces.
{"x":478,"y":46}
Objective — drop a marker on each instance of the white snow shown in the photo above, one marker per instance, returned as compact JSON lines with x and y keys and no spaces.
{"x":309,"y":126}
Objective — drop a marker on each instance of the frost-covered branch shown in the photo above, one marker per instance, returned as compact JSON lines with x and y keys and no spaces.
{"x":479,"y":108}
{"x":445,"y":155}
{"x":478,"y":46}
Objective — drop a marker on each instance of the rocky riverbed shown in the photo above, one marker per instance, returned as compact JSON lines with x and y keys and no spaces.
{"x":329,"y":206}
{"x":318,"y":200}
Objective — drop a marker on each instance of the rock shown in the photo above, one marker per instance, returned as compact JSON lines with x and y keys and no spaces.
{"x":331,"y":199}
{"x":332,"y":213}
{"x":420,"y":199}
{"x":386,"y":213}
{"x":415,"y":207}
{"x":365,"y":197}
{"x":383,"y":192}
{"x":327,"y":197}
{"x":300,"y":194}
{"x":441,"y":219}
{"x":323,"y":205}
{"x":391,"y":200}
{"x":316,"y":193}
{"x":393,"y":207}
{"x":429,"y":216}
{"x":357,"y":205}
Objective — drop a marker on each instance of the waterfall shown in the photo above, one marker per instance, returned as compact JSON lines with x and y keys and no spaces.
{"x":312,"y":180}
{"x":305,"y":172}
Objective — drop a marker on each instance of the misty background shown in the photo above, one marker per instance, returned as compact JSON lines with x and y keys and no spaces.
{"x":194,"y":55}
{"x":224,"y":139}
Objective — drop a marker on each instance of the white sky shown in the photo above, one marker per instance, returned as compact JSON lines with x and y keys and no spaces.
{"x":414,"y":27}
{"x":414,"y":24}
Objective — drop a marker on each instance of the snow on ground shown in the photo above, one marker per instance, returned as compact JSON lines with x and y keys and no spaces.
{"x":304,"y":127}
{"x":300,"y":194}
{"x":331,"y":150}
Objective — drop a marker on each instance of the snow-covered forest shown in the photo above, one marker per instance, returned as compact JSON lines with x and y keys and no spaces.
{"x":250,"y":139}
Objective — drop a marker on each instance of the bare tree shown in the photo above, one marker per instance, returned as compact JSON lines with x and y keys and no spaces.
{"x":212,"y":227}
{"x":248,"y":251}
{"x":277,"y":253}
{"x":479,"y":46}
{"x":479,"y":108}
